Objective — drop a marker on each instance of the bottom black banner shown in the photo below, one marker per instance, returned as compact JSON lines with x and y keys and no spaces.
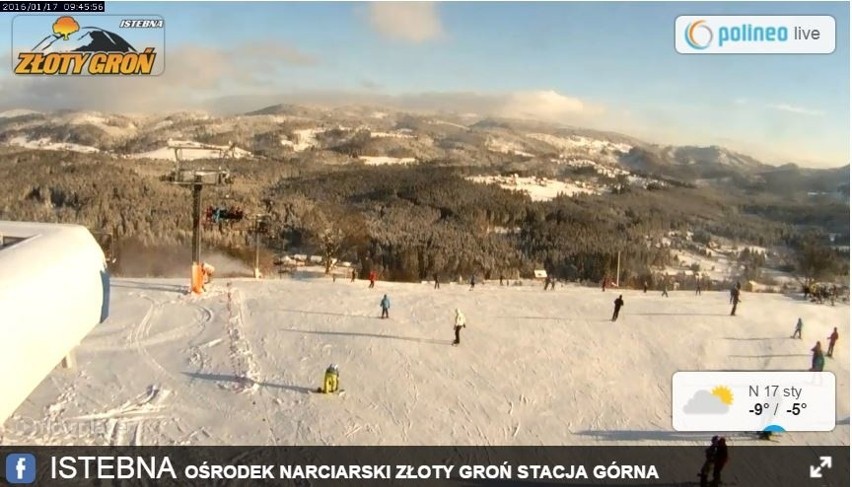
{"x":747,"y":466}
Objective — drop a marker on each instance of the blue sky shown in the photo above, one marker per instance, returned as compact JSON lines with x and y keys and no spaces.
{"x":604,"y":65}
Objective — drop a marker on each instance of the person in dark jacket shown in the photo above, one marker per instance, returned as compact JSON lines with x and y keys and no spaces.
{"x":472,"y":282}
{"x":831,"y":341}
{"x":385,"y":306}
{"x":619,"y":302}
{"x":797,"y":333}
{"x":818,"y":358}
{"x":736,"y":300}
{"x":645,"y":287}
{"x":719,"y":460}
{"x":437,"y":282}
{"x":709,"y":457}
{"x":354,"y":274}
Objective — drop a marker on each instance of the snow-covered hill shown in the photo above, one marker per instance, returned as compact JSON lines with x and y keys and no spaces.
{"x":344,"y":134}
{"x":533,"y":368}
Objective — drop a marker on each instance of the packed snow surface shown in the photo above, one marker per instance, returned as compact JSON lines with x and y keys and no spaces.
{"x":533,"y":367}
{"x":168,"y":153}
{"x":46,"y":143}
{"x":385,"y":160}
{"x":304,"y":139}
{"x":539,"y":189}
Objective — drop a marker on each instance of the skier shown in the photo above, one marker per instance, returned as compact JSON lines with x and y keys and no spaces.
{"x":501,"y":279}
{"x":797,"y":333}
{"x":698,"y":288}
{"x":353,"y":275}
{"x":720,"y":458}
{"x":372,"y":279}
{"x":603,"y":284}
{"x":385,"y":306}
{"x":709,"y":456}
{"x":331,"y":381}
{"x":645,"y":287}
{"x":831,"y":341}
{"x":472,"y":281}
{"x":736,"y":299}
{"x":618,"y":304}
{"x":458,"y":325}
{"x":437,"y":282}
{"x":818,"y":359}
{"x":546,"y":282}
{"x":665,"y":289}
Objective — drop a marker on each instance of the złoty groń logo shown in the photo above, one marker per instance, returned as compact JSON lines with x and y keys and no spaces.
{"x":76,"y":47}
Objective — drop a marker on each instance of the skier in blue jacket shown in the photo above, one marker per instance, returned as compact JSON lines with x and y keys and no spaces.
{"x":385,"y":306}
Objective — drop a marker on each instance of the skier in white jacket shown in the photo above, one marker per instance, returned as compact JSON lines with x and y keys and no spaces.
{"x":458,"y":325}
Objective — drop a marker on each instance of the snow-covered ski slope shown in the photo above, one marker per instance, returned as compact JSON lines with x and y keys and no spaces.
{"x":533,"y":368}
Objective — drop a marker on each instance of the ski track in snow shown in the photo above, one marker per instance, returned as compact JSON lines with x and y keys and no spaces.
{"x":532,"y":368}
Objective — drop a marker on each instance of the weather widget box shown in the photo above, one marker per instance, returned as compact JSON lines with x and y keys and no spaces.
{"x":753,"y":401}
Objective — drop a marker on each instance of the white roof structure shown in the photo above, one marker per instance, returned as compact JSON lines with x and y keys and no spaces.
{"x":54,"y":288}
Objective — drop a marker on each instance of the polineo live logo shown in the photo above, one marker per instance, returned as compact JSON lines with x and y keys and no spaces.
{"x":20,"y":468}
{"x":755,"y":34}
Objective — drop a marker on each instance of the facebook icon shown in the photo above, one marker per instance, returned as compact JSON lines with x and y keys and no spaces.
{"x":20,"y":468}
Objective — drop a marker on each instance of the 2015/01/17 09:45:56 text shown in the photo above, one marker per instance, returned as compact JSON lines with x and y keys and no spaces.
{"x":57,"y":7}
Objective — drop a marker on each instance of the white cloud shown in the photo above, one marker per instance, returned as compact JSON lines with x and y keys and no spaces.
{"x":409,"y":21}
{"x":192,"y":74}
{"x":784,"y":107}
{"x":544,"y":105}
{"x":740,"y":101}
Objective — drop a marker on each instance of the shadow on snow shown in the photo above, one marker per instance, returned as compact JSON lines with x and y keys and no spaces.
{"x":150,"y":286}
{"x":370,"y":335}
{"x":237,"y":380}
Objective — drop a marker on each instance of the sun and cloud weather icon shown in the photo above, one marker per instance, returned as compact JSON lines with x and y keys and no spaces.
{"x":716,"y":401}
